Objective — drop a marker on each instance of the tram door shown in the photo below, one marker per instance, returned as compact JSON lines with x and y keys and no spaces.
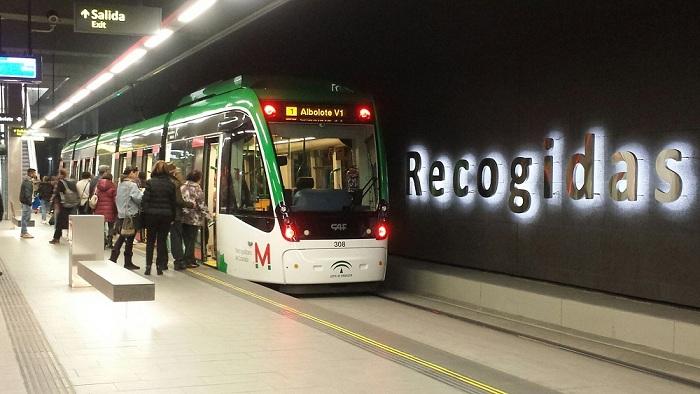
{"x":121,"y":164}
{"x":210,"y":173}
{"x":147,"y":163}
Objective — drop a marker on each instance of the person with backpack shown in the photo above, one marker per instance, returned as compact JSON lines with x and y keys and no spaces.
{"x":83,"y":186}
{"x":26,"y":195}
{"x":65,"y":201}
{"x":106,"y":192}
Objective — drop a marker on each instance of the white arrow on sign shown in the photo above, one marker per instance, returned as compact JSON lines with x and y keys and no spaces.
{"x":85,"y":13}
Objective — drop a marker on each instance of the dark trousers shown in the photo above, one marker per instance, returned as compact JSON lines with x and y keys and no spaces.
{"x":157,"y":233}
{"x":109,"y":237}
{"x":190,"y":234}
{"x":128,"y":248}
{"x":176,"y":242}
{"x":61,"y":221}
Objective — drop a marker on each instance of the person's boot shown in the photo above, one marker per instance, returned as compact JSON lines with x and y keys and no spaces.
{"x":128,"y":264}
{"x":148,"y":269}
{"x":159,"y":269}
{"x":114,"y":256}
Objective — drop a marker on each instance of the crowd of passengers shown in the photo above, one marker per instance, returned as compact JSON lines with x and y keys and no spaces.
{"x":166,"y":204}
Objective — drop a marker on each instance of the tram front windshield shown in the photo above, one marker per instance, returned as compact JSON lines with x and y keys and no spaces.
{"x":327,"y":167}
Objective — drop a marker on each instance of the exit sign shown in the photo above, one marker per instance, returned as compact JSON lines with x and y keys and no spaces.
{"x":116,"y":19}
{"x":18,"y":131}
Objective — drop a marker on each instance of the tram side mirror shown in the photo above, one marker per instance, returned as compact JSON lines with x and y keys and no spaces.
{"x":282,"y":161}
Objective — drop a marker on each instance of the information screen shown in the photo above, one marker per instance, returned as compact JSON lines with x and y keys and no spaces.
{"x":19,"y":68}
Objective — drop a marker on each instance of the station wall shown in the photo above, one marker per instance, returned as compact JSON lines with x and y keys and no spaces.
{"x":477,"y":79}
{"x":619,"y":73}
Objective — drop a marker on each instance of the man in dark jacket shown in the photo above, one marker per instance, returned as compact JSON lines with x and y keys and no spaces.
{"x":26,"y":197}
{"x":62,"y":204}
{"x":176,"y":236}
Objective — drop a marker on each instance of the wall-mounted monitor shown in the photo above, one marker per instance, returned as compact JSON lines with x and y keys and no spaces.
{"x":20,"y":68}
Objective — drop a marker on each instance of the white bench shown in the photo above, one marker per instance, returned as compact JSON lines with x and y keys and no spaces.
{"x":17,"y":219}
{"x":116,"y":282}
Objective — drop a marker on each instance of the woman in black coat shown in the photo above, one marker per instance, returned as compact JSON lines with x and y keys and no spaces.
{"x":158,"y":208}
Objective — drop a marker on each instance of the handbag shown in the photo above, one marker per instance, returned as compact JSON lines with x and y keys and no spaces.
{"x":128,"y":228}
{"x":93,"y":200}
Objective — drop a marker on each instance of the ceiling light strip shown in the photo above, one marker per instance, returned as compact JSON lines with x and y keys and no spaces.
{"x":185,"y":14}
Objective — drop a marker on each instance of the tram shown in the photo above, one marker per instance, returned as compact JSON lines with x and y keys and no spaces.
{"x":295,"y":176}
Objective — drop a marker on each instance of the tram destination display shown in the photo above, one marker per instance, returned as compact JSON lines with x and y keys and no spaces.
{"x":315,"y":113}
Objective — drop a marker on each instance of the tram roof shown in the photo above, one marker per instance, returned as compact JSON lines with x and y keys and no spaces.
{"x":86,"y":142}
{"x":70,"y":144}
{"x":109,"y":136}
{"x":144,"y":126}
{"x":277,"y":87}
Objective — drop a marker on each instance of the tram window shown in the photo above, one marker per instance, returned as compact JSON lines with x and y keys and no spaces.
{"x":104,"y":160}
{"x":183,"y":156}
{"x":244,"y":188}
{"x":328,"y":168}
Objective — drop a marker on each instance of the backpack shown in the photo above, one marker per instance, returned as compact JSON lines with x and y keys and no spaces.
{"x":69,"y":198}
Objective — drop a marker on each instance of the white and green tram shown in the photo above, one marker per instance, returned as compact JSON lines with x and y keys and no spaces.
{"x":295,"y":176}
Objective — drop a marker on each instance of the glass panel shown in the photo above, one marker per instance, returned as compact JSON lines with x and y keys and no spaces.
{"x":183,"y":156}
{"x":149,"y":165}
{"x":211,"y":172}
{"x":249,"y":182}
{"x":105,"y":160}
{"x":244,"y":187}
{"x":330,"y":168}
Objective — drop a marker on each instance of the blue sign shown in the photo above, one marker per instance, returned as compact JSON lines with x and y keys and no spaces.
{"x":19,"y":68}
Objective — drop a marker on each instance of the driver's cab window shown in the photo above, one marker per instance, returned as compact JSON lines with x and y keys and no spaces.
{"x":244,"y":188}
{"x":248,"y":180}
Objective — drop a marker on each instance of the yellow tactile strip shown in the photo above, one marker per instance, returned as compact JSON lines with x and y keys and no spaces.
{"x":446,"y":375}
{"x":41,"y":371}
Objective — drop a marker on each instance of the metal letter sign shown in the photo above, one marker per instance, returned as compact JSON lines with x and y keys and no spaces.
{"x":116,"y":19}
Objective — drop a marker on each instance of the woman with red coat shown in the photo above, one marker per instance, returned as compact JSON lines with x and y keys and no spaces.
{"x":106,"y":206}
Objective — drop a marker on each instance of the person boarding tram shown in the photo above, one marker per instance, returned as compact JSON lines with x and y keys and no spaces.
{"x":158,"y":206}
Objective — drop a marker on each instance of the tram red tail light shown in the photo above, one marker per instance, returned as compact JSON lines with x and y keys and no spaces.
{"x":364,"y":114}
{"x":382,"y":231}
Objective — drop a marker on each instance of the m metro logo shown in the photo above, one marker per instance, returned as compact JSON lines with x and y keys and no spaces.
{"x":262,"y":258}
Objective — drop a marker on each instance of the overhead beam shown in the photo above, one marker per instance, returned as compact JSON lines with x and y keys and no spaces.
{"x":35,"y":18}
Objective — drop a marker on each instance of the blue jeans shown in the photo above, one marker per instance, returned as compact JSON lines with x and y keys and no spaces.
{"x":26,"y":216}
{"x":45,"y":208}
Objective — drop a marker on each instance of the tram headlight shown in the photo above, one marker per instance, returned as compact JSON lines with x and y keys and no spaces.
{"x":289,"y":232}
{"x":382,"y":231}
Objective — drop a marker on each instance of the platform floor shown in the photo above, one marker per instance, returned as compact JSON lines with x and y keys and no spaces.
{"x":207,"y":333}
